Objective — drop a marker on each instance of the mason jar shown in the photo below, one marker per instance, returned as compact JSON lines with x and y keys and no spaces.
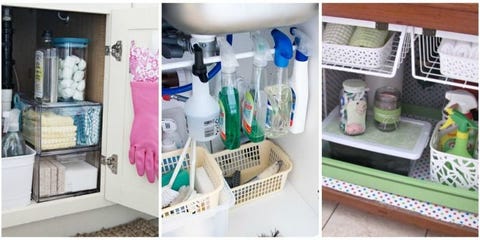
{"x":387,"y":108}
{"x":353,"y":107}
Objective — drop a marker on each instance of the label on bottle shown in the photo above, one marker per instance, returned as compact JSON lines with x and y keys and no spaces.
{"x":210,"y":128}
{"x":387,"y":116}
{"x":248,"y":112}
{"x":222,"y":122}
{"x":39,"y":72}
{"x":269,"y":115}
{"x":292,"y":112}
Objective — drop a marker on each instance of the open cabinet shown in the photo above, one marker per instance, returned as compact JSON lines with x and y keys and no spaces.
{"x":416,"y":70}
{"x":110,"y":28}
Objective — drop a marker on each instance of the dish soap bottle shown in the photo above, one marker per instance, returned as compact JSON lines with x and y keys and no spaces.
{"x":228,"y":100}
{"x":13,"y":143}
{"x":278,"y":92}
{"x":254,"y":102}
{"x":201,"y":109}
{"x":46,"y":70}
{"x":463,"y":125}
{"x":299,"y":81}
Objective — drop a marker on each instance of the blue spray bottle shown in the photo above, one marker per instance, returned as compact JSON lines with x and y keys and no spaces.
{"x":278,"y":91}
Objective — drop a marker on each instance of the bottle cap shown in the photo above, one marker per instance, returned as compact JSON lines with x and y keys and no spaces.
{"x":354,"y":85}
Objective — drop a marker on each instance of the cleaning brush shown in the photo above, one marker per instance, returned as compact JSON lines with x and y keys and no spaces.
{"x":168,"y":194}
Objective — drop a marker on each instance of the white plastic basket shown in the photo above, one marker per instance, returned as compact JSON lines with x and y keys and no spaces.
{"x":357,"y":56}
{"x":458,"y":67}
{"x":204,"y":201}
{"x":251,"y":159}
{"x":450,"y":169}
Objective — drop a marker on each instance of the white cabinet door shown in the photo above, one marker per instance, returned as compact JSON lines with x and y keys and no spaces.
{"x":126,"y":187}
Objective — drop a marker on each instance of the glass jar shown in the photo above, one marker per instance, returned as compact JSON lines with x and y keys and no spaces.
{"x":72,"y":70}
{"x":353,"y":107}
{"x":387,"y":109}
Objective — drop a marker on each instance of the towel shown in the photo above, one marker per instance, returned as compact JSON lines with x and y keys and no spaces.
{"x":48,"y":119}
{"x":60,"y":175}
{"x":49,"y":132}
{"x":462,"y":49}
{"x":337,"y":33}
{"x":368,"y":37}
{"x":447,"y":46}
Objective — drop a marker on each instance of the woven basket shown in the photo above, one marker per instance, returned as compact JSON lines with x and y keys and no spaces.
{"x":458,"y":67}
{"x":204,"y":201}
{"x":451,"y":170}
{"x":251,"y":159}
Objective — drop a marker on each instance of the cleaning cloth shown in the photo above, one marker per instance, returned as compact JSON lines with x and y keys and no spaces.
{"x":368,"y":37}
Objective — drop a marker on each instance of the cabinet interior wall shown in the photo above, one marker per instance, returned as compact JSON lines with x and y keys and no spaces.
{"x":28,"y":26}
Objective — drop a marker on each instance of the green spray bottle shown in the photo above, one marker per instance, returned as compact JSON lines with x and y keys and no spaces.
{"x":228,"y":99}
{"x":463,"y":125}
{"x":254,"y":102}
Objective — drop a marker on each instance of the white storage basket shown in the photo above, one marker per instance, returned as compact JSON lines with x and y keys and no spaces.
{"x":458,"y":67}
{"x":357,"y":56}
{"x":204,"y":201}
{"x":451,"y":169}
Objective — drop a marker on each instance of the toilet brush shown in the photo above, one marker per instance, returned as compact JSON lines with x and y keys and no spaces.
{"x":168,"y":194}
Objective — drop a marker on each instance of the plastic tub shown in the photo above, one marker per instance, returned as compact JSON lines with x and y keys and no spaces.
{"x":210,"y":223}
{"x":72,"y":71}
{"x":17,"y":175}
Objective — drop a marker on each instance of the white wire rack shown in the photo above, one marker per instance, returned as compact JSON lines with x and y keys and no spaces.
{"x":400,"y":48}
{"x":426,"y":62}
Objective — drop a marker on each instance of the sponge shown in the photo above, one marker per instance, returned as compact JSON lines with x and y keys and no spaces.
{"x":182,"y":179}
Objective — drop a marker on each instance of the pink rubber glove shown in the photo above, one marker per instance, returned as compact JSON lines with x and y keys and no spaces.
{"x":144,"y":134}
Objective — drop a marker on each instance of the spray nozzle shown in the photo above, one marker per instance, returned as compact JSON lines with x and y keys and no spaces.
{"x":304,"y":44}
{"x":262,"y":49}
{"x":283,"y":48}
{"x":465,"y":100}
{"x":199,"y":69}
{"x":462,"y":122}
{"x":229,"y":61}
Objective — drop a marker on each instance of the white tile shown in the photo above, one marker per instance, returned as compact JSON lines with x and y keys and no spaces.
{"x":350,"y":222}
{"x":327,"y":209}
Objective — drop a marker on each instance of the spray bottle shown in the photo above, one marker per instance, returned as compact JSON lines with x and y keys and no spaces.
{"x":279,"y":94}
{"x":299,"y":81}
{"x":463,"y":125}
{"x":228,"y":100}
{"x":254,"y":102}
{"x":201,"y":109}
{"x":463,"y":101}
{"x":13,"y":143}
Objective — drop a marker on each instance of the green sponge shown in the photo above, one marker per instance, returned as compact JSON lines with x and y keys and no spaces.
{"x":182,"y":179}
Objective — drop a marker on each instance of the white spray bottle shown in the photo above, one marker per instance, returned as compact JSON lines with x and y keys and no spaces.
{"x":201,"y":109}
{"x":299,"y":81}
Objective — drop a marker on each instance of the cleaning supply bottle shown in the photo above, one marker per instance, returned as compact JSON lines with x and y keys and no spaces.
{"x":463,"y":125}
{"x":463,"y":101}
{"x":13,"y":143}
{"x":46,"y":70}
{"x":278,"y":92}
{"x":254,"y":102}
{"x":230,"y":121}
{"x":299,"y":81}
{"x":201,"y":109}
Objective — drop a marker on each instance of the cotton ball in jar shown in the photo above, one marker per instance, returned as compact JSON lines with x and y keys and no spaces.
{"x":74,"y":85}
{"x":81,"y":85}
{"x":75,"y":68}
{"x":69,"y":61}
{"x":78,"y":95}
{"x":82,"y":65}
{"x":78,"y":75}
{"x":67,"y":73}
{"x":66,"y":83}
{"x":67,"y":93}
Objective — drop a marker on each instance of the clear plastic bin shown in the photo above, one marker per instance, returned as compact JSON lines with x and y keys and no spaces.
{"x":63,"y":125}
{"x":66,"y":175}
{"x":72,"y":71}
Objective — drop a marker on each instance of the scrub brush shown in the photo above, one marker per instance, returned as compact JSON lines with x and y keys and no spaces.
{"x":168,"y":194}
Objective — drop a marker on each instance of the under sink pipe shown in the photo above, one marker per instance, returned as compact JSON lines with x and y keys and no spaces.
{"x":210,"y":75}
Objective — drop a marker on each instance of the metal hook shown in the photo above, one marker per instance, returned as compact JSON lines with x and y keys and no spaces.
{"x":64,"y":19}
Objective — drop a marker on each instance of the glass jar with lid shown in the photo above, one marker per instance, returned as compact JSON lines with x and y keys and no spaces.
{"x":72,"y":72}
{"x":353,"y":107}
{"x":387,"y":108}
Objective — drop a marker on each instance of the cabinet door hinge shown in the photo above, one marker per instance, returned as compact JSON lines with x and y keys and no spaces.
{"x":115,"y":50}
{"x":429,"y":32}
{"x":111,"y":162}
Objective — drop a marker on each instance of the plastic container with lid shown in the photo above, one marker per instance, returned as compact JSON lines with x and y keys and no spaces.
{"x":353,"y":107}
{"x":387,"y":108}
{"x":72,"y":72}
